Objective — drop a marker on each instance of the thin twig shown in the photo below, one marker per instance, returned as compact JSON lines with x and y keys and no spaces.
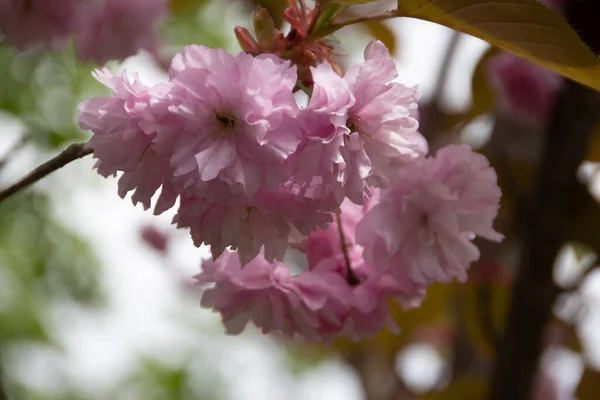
{"x":71,"y":153}
{"x":352,"y":278}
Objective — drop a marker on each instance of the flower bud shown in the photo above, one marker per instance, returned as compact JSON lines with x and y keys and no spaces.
{"x":246,"y":41}
{"x":264,"y":28}
{"x":154,"y":238}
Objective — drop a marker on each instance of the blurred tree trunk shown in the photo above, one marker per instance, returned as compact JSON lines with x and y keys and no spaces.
{"x":543,"y":221}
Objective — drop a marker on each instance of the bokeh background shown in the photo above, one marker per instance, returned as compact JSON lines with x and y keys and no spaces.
{"x":96,"y":295}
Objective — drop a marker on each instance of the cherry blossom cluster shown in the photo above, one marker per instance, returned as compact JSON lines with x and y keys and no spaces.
{"x":102,"y":29}
{"x":346,"y":180}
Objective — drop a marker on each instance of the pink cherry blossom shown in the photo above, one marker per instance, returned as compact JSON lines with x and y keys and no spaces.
{"x":384,"y":130}
{"x":274,"y":300}
{"x":125,"y":131}
{"x":360,"y":127}
{"x":323,"y":123}
{"x":117,"y":29}
{"x":523,"y":88}
{"x":26,"y":23}
{"x":369,"y":310}
{"x":319,"y":303}
{"x":237,"y":118}
{"x":249,"y":223}
{"x":423,"y":227}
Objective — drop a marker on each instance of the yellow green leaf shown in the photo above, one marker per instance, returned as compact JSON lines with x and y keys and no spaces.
{"x":524,"y":27}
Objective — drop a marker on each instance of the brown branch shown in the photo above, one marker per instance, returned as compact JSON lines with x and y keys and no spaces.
{"x":71,"y":153}
{"x":544,"y":228}
{"x":352,"y":278}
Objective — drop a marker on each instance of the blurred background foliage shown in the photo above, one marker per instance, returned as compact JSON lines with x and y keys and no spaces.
{"x":43,"y":264}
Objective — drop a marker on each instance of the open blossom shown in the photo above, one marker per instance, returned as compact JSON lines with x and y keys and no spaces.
{"x":237,"y":120}
{"x":117,"y":29}
{"x":360,"y":127}
{"x":274,"y":300}
{"x":424,"y":225}
{"x":320,"y":303}
{"x":369,"y":312}
{"x":26,"y":23}
{"x":256,"y":175}
{"x":267,"y":221}
{"x":380,"y":140}
{"x":523,"y":88}
{"x":125,"y":131}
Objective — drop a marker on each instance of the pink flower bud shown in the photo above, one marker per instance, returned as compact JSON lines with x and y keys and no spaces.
{"x":154,"y":238}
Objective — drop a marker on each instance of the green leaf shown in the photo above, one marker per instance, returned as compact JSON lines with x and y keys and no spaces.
{"x":524,"y":27}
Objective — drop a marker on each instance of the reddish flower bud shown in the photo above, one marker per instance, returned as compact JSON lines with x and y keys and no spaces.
{"x":246,"y":41}
{"x":154,"y":238}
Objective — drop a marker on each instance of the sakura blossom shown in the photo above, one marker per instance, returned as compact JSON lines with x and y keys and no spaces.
{"x":425,"y":223}
{"x":269,"y":296}
{"x":125,"y":132}
{"x":345,"y":180}
{"x":361,"y":126}
{"x":321,"y":302}
{"x":236,"y":118}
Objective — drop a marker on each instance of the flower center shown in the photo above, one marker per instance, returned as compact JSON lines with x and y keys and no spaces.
{"x":227,"y":120}
{"x":352,"y":124}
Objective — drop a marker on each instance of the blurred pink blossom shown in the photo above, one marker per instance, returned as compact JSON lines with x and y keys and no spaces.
{"x":27,"y":23}
{"x":117,"y":29}
{"x":522,"y":87}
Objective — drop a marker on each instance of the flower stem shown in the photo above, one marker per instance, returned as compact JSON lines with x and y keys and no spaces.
{"x":71,"y":153}
{"x":352,"y":278}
